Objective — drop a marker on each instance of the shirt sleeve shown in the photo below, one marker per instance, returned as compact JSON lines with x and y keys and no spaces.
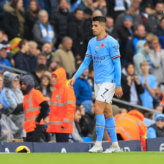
{"x":153,"y":83}
{"x":114,"y":49}
{"x":88,"y":52}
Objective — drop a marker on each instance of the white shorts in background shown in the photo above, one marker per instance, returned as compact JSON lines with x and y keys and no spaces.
{"x":104,"y":92}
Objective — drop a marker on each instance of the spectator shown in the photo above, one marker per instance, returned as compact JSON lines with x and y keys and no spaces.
{"x":82,"y":88}
{"x":75,"y":31}
{"x":115,"y":8}
{"x":142,"y":54}
{"x":2,"y":3}
{"x":131,"y":85}
{"x":150,"y":84}
{"x":42,"y":31}
{"x":38,"y":74}
{"x":139,"y":34}
{"x":21,"y":58}
{"x":132,"y":11}
{"x":65,"y":56}
{"x":33,"y":54}
{"x":14,"y":21}
{"x":101,"y":5}
{"x":124,"y":35}
{"x":3,"y":58}
{"x":156,"y":55}
{"x":160,"y":32}
{"x":130,"y":126}
{"x":96,"y":13}
{"x":53,"y":66}
{"x":36,"y":108}
{"x":109,"y":25}
{"x":76,"y":130}
{"x":42,"y":59}
{"x":47,"y":50}
{"x":45,"y":84}
{"x":156,"y":130}
{"x":60,"y":21}
{"x":154,"y":20}
{"x":87,"y":4}
{"x":62,"y":109}
{"x":12,"y":101}
{"x":31,"y":16}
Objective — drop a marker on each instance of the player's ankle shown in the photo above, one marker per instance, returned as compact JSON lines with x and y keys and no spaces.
{"x":115,"y":145}
{"x":98,"y":143}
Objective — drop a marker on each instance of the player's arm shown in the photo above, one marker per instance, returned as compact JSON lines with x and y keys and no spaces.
{"x":82,"y":68}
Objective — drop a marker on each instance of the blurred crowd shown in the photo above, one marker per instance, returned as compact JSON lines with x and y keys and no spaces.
{"x":48,"y":40}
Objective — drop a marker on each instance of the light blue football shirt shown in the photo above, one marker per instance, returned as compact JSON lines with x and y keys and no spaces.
{"x":102,"y":52}
{"x":146,"y":97}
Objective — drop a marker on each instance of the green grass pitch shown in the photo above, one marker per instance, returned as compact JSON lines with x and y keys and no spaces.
{"x":83,"y":158}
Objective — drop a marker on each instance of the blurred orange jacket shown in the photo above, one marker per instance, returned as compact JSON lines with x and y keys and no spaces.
{"x":31,"y":106}
{"x":131,"y":126}
{"x":61,"y":116}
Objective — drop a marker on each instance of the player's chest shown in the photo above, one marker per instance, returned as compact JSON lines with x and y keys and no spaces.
{"x":100,"y":49}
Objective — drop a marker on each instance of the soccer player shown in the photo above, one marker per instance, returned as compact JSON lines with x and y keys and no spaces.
{"x":104,"y":51}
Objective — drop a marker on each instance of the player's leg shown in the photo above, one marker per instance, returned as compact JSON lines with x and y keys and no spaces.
{"x":100,"y":119}
{"x":110,"y":127}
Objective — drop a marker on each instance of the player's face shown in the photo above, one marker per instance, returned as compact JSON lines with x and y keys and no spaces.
{"x":97,"y":27}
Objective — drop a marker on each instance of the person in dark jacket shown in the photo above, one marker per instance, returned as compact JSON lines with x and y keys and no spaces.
{"x":60,"y":21}
{"x":14,"y":22}
{"x":131,"y":85}
{"x":75,"y":31}
{"x":156,"y":130}
{"x":160,"y":32}
{"x":154,"y":19}
{"x":21,"y":58}
{"x":31,"y":16}
{"x":124,"y":34}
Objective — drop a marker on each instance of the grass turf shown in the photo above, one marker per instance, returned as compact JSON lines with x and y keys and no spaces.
{"x":83,"y":158}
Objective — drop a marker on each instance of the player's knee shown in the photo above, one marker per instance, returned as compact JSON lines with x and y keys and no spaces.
{"x":108,"y":114}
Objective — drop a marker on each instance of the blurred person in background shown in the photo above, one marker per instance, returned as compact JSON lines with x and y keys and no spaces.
{"x":31,"y":16}
{"x":45,"y":84}
{"x":38,"y":74}
{"x":76,"y":131}
{"x":12,"y":101}
{"x":109,"y":25}
{"x":36,"y":111}
{"x":33,"y":54}
{"x":141,"y":55}
{"x":21,"y":58}
{"x":130,"y":126}
{"x":82,"y":88}
{"x":76,"y":32}
{"x":42,"y":59}
{"x":156,"y":56}
{"x":3,"y":57}
{"x":60,"y":21}
{"x":154,"y":19}
{"x":42,"y":31}
{"x":132,"y":87}
{"x":160,"y":32}
{"x":65,"y":56}
{"x":156,"y":130}
{"x":63,"y":105}
{"x":150,"y":84}
{"x":139,"y":34}
{"x":14,"y":21}
{"x":47,"y":49}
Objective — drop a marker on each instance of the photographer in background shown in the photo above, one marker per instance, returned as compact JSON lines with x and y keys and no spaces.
{"x":131,"y":85}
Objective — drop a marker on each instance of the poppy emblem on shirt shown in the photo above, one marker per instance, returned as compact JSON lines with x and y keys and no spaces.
{"x":102,"y":45}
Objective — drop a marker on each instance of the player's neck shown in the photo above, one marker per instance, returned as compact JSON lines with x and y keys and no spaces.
{"x":101,"y":36}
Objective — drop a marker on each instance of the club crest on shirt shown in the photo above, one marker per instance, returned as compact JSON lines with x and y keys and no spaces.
{"x":102,"y":45}
{"x":97,"y":47}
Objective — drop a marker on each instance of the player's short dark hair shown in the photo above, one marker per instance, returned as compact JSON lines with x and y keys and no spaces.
{"x":99,"y":19}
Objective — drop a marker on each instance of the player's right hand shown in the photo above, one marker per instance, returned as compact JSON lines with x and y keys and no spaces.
{"x":71,"y":82}
{"x":118,"y":92}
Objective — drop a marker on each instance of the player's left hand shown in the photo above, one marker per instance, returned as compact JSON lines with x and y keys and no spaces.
{"x":118,"y":92}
